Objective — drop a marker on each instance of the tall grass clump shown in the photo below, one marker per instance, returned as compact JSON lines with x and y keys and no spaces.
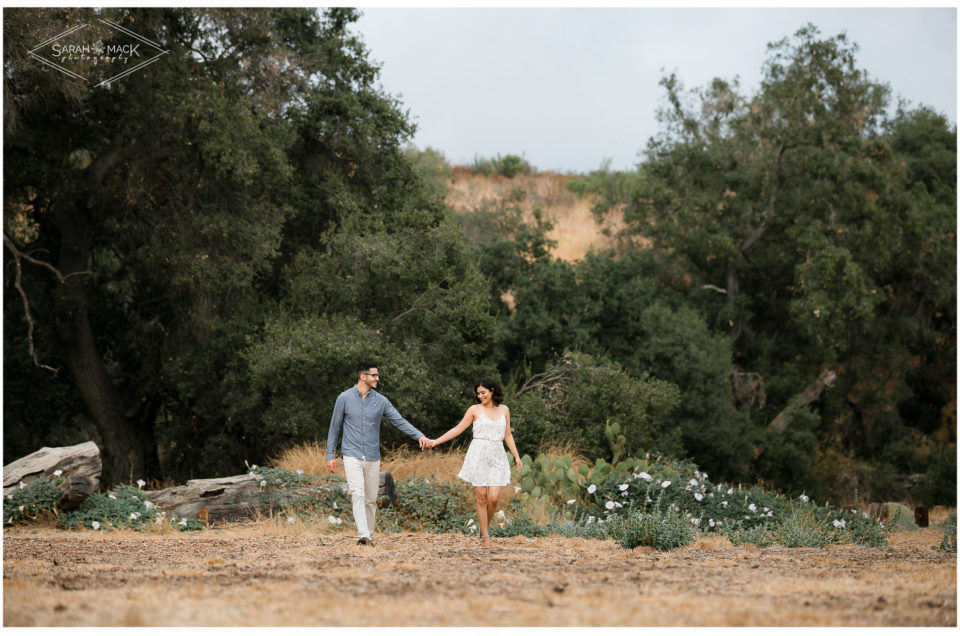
{"x":800,"y":528}
{"x":949,"y":542}
{"x":662,"y":530}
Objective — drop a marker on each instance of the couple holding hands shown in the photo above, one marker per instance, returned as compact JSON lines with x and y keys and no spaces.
{"x":358,"y":412}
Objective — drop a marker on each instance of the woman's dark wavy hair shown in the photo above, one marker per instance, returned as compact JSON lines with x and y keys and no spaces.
{"x":491,"y":385}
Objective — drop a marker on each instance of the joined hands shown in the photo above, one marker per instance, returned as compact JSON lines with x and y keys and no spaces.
{"x":426,"y":443}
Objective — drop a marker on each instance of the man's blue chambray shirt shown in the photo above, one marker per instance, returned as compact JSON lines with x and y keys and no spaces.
{"x":359,"y":419}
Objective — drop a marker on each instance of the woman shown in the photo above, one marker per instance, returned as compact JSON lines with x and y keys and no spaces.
{"x":485,"y":465}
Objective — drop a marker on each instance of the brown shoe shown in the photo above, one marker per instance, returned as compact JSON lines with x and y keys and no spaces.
{"x":365,"y":541}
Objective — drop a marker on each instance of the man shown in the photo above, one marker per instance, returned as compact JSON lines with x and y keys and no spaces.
{"x":358,"y":412}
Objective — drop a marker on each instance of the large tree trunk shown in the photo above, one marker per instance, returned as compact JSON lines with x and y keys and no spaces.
{"x":129,"y":449}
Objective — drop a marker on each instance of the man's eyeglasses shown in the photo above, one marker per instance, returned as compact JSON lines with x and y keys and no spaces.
{"x":373,"y":375}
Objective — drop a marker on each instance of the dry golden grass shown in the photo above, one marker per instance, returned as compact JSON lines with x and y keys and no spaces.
{"x":440,"y":465}
{"x":575,"y":229}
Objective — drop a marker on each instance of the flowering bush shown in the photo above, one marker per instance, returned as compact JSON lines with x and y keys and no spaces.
{"x":128,"y":508}
{"x":29,"y":500}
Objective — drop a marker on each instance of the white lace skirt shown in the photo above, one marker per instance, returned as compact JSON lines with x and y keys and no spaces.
{"x":485,"y":464}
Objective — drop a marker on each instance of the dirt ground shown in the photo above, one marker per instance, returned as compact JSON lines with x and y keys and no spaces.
{"x":240,"y":577}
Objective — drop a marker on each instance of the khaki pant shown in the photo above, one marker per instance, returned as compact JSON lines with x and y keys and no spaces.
{"x":363,"y":482}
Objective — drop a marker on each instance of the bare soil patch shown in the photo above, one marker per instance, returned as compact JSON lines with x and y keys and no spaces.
{"x":237,"y":576}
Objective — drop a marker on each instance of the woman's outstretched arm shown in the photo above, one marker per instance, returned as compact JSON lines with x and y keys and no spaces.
{"x":468,"y":418}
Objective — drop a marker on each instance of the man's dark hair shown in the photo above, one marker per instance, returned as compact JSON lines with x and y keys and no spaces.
{"x":363,"y":367}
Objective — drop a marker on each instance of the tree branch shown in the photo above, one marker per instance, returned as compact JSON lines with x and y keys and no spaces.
{"x":17,"y":283}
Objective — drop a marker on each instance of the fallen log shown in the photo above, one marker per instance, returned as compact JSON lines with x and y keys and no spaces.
{"x":82,"y":460}
{"x":74,"y":489}
{"x":240,"y":497}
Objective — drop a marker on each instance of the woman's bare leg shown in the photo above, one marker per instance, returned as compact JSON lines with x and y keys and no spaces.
{"x":493,"y":497}
{"x":482,"y":518}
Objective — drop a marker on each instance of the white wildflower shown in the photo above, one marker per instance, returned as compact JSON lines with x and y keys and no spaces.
{"x":712,"y":523}
{"x":517,"y":489}
{"x":22,"y":485}
{"x":299,"y":472}
{"x":183,"y":522}
{"x":57,"y":473}
{"x":141,"y":483}
{"x":730,"y":491}
{"x":148,"y":504}
{"x":698,"y":496}
{"x":112,"y":496}
{"x":770,"y":513}
{"x":839,"y":523}
{"x":572,"y":501}
{"x":591,"y":519}
{"x":645,"y":477}
{"x":723,"y":503}
{"x":752,"y":507}
{"x":592,"y":488}
{"x":804,"y":498}
{"x":624,"y":486}
{"x":696,"y":522}
{"x":95,"y":525}
{"x":263,"y":483}
{"x":335,"y":506}
{"x":134,"y":516}
{"x":693,"y":482}
{"x":501,"y":515}
{"x":21,"y":508}
{"x":665,"y":484}
{"x":610,"y":505}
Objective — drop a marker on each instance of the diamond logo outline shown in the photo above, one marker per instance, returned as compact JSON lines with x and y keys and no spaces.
{"x":111,"y":25}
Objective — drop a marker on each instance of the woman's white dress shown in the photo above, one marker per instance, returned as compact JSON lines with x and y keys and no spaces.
{"x":486,"y":461}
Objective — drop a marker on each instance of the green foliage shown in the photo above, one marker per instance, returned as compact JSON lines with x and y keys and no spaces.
{"x":901,"y":517}
{"x":800,"y":528}
{"x":128,"y":508}
{"x":758,"y":535}
{"x":609,"y":186}
{"x":423,"y":505}
{"x":939,"y":485}
{"x":660,"y":529}
{"x":30,"y":500}
{"x":949,"y":541}
{"x":578,"y":395}
{"x":508,"y":166}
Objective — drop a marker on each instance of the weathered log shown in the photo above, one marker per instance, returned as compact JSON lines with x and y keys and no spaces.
{"x":75,"y":489}
{"x":810,"y":394}
{"x":240,"y":497}
{"x":82,"y":460}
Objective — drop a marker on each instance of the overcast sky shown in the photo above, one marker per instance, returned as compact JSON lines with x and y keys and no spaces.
{"x":569,"y":87}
